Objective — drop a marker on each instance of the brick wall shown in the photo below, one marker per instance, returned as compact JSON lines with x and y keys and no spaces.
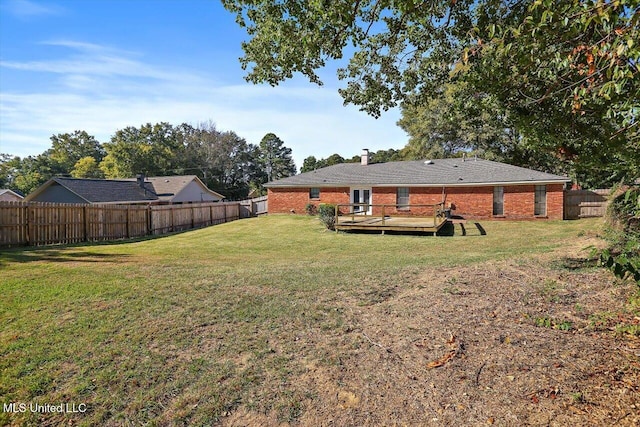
{"x":469,"y":202}
{"x":283,"y":200}
{"x":555,"y":201}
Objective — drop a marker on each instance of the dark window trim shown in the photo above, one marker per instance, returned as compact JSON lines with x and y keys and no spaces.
{"x":311,"y":193}
{"x":403,"y":206}
{"x":498,"y":203}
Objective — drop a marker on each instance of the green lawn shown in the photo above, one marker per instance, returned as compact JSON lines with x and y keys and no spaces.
{"x":185,"y":328}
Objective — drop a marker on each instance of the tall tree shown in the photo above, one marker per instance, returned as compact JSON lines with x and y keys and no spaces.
{"x":309,"y":164}
{"x":235,"y":165}
{"x":7,"y":169}
{"x":28,"y":173}
{"x":275,"y":158}
{"x":224,"y":161}
{"x":87,"y":167}
{"x":460,"y":120}
{"x":68,"y":148}
{"x":558,"y":67}
{"x":153,"y":150}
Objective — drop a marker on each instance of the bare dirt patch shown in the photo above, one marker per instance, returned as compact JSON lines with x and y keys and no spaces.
{"x":521,"y":342}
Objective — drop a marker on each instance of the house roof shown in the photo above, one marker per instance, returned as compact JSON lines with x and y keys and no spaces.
{"x":7,"y":191}
{"x":155,"y":189}
{"x":166,"y":187}
{"x":419,"y":173}
{"x":103,"y":190}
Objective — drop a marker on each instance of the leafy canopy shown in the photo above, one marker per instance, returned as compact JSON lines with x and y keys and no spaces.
{"x":567,"y":73}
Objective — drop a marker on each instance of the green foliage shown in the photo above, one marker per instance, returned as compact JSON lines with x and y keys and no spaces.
{"x":327,"y":214}
{"x":565,"y":74}
{"x":623,"y":219}
{"x":153,"y":150}
{"x":275,"y":158}
{"x":623,"y":265}
{"x":311,"y":163}
{"x":68,"y":148}
{"x":87,"y":167}
{"x":311,"y":209}
{"x":380,"y":156}
{"x":548,"y":322}
{"x":27,"y":174}
{"x":224,"y":161}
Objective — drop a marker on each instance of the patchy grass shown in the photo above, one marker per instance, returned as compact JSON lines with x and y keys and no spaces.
{"x":233,"y":322}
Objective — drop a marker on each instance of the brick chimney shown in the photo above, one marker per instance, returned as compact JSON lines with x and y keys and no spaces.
{"x":364,"y":157}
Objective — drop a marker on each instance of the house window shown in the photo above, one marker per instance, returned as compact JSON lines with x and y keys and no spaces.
{"x":540,"y":202}
{"x":402,"y":198}
{"x":498,"y":200}
{"x":314,"y":193}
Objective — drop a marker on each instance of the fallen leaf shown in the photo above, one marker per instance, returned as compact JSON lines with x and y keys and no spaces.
{"x":441,"y":361}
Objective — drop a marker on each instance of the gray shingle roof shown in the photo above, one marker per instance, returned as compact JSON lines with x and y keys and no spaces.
{"x":169,"y":186}
{"x":108,"y":190}
{"x":437,"y":172}
{"x":166,"y":187}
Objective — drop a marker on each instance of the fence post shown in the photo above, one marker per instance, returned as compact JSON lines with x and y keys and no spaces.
{"x":85,"y":222}
{"x":27,"y":232}
{"x":148,"y":217}
{"x":127,"y":222}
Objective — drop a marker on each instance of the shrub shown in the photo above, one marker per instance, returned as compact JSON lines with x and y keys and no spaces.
{"x":311,"y":209}
{"x":623,"y":257}
{"x":327,"y":213}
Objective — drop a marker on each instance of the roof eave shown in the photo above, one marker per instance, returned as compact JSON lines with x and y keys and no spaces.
{"x":48,"y":184}
{"x":454,"y":184}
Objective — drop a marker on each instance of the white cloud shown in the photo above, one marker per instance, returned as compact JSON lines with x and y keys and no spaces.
{"x":101,"y":90}
{"x":27,"y":9}
{"x":98,"y":61}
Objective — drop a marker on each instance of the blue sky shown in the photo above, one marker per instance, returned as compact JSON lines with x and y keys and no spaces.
{"x":99,"y":66}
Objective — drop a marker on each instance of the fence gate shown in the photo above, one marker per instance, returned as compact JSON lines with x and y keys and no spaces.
{"x":585,"y":203}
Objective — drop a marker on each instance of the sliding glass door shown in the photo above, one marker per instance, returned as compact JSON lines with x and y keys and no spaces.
{"x":361,"y":195}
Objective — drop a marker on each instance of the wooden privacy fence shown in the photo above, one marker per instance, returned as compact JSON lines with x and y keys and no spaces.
{"x":253,"y":207}
{"x":585,"y":203}
{"x":33,"y":224}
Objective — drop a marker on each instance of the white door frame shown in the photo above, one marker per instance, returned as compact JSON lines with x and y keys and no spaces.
{"x":361,"y":194}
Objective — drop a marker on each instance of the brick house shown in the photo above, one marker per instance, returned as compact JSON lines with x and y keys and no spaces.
{"x":472,"y":188}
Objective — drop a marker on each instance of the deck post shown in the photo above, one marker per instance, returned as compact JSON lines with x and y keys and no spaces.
{"x":435,"y":212}
{"x":383,"y":206}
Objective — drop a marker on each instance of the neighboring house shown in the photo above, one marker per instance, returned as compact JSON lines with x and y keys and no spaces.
{"x":182,"y":189}
{"x":10,"y":196}
{"x":472,"y":188}
{"x":141,"y":190}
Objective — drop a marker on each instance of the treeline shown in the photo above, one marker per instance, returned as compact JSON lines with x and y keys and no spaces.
{"x":224,"y":161}
{"x":461,"y":122}
{"x":381,"y":156}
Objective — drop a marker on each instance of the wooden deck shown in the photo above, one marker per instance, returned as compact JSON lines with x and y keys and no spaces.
{"x":382,"y":222}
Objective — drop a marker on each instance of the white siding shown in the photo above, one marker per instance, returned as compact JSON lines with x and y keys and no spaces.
{"x":194,"y":192}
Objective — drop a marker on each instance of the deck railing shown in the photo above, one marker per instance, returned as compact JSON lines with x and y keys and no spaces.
{"x":385,"y":211}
